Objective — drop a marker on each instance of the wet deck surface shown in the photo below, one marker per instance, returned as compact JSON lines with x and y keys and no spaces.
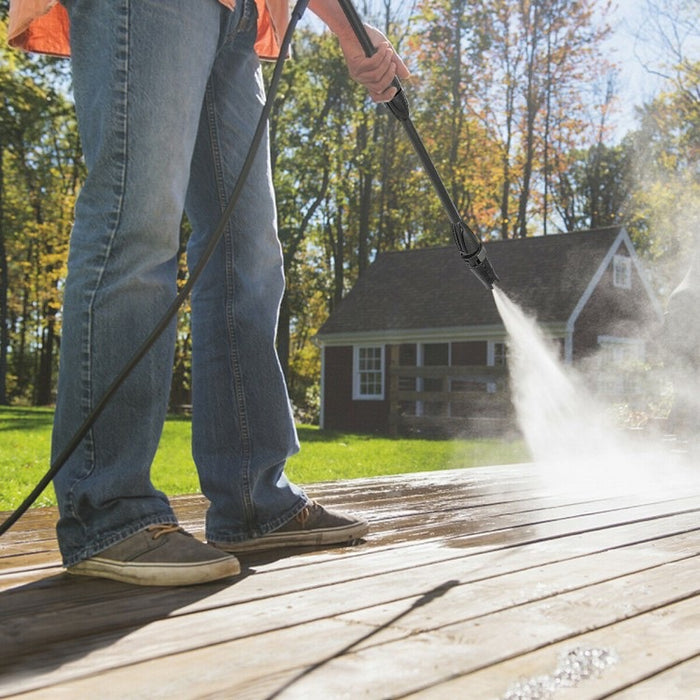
{"x":473,"y":584}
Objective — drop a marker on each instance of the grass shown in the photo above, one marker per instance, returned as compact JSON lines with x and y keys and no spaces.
{"x":25,"y":443}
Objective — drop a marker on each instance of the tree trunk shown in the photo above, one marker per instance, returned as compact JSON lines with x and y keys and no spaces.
{"x":4,"y":290}
{"x":532,"y":107}
{"x":43,"y":391}
{"x":365,"y":186}
{"x":338,"y":259}
{"x":505,"y":192}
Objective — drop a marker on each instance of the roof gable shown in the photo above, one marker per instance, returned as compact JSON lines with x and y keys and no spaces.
{"x":549,"y":276}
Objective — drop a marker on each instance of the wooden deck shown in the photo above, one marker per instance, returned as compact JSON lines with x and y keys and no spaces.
{"x":473,"y":584}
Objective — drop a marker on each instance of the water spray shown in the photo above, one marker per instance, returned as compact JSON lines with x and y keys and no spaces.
{"x":470,"y":247}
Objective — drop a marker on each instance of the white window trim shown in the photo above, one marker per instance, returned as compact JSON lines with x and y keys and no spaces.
{"x":356,"y":395}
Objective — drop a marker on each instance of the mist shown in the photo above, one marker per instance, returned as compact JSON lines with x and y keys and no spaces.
{"x":575,"y":440}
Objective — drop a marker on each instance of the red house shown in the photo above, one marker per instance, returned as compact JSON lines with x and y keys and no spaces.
{"x":418,"y":342}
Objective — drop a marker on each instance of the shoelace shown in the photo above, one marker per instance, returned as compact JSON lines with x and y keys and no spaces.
{"x":164,"y":529}
{"x":303,"y":515}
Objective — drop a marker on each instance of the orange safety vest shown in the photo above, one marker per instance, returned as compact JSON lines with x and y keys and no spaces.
{"x":42,"y":26}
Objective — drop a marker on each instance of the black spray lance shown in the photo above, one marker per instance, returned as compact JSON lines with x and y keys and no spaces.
{"x":470,"y":247}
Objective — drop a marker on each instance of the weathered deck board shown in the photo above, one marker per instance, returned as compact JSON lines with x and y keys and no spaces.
{"x":470,"y":582}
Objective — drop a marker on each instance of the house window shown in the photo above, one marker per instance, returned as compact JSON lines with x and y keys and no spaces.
{"x":617,"y":373}
{"x":618,"y":351}
{"x":496,"y":356}
{"x":407,"y":358}
{"x":622,"y":272}
{"x":500,"y":353}
{"x":408,"y":354}
{"x":368,"y":372}
{"x":434,"y":355}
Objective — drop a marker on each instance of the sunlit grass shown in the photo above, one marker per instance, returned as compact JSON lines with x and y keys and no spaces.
{"x":25,"y":439}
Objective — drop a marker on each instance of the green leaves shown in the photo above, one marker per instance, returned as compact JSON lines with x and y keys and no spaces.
{"x":40,"y":172}
{"x":501,"y":94}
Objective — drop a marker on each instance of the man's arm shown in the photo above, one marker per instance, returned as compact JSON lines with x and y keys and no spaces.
{"x":376,"y":72}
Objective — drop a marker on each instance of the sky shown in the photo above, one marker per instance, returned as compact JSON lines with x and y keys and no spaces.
{"x":637,"y":46}
{"x":636,"y":84}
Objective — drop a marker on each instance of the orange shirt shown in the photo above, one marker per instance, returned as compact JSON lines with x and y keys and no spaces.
{"x":42,"y":26}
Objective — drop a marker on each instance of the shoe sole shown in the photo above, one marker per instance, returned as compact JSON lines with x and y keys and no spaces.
{"x":154,"y":574}
{"x":312,"y":538}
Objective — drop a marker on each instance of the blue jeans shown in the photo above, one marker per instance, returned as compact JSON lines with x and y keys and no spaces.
{"x":168,"y":93}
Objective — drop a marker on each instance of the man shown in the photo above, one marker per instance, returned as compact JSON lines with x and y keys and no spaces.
{"x":168,"y":94}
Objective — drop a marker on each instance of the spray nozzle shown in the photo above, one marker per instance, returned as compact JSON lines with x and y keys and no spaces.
{"x":474,"y":254}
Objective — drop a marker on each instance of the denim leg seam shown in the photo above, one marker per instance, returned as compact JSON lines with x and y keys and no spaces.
{"x":89,"y":398}
{"x":237,"y":380}
{"x":236,"y":377}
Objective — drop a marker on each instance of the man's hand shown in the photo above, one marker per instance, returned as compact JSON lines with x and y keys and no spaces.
{"x":377,"y":71}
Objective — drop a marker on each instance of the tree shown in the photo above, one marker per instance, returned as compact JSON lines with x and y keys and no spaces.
{"x":667,"y":144}
{"x":40,"y":174}
{"x":502,"y":96}
{"x":450,"y":39}
{"x":560,"y":56}
{"x":509,"y":79}
{"x":667,"y":183}
{"x":596,"y":189}
{"x":301,"y":123}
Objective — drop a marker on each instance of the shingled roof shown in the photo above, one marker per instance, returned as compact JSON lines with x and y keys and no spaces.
{"x":433,"y":287}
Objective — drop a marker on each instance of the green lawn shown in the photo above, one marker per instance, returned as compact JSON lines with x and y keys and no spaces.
{"x":25,"y":438}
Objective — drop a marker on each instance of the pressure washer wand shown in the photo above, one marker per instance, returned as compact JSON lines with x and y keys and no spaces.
{"x":470,"y":247}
